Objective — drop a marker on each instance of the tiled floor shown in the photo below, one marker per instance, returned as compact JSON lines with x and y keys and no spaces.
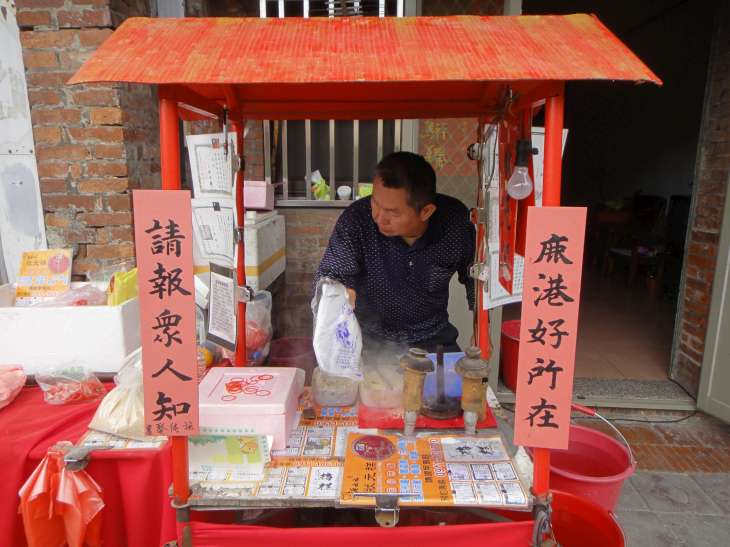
{"x":624,"y":332}
{"x":680,"y":495}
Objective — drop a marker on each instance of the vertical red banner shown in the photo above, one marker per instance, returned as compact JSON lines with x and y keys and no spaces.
{"x":509,"y":133}
{"x":163,"y":236}
{"x":549,"y":325}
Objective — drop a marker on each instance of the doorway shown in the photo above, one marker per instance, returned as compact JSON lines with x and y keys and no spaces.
{"x":630,"y":158}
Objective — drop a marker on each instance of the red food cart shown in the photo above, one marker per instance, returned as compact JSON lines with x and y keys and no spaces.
{"x":491,"y":69}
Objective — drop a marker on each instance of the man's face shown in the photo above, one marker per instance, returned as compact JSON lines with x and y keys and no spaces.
{"x":394,"y":216}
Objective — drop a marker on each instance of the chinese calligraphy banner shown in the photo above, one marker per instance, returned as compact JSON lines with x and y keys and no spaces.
{"x":163,"y":239}
{"x":549,"y":325}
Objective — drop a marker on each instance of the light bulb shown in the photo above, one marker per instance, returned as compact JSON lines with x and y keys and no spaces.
{"x":519,"y":185}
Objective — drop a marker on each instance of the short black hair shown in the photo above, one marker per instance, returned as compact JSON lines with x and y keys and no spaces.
{"x":412,"y":172}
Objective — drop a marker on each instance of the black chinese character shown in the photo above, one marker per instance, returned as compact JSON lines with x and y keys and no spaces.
{"x":553,"y":292}
{"x":539,"y":370}
{"x":464,"y":450}
{"x":546,"y":417}
{"x":538,"y":333}
{"x":326,"y":476}
{"x":553,"y":249}
{"x":168,"y":410}
{"x":167,"y":282}
{"x":170,"y":242}
{"x":168,"y":366}
{"x":167,"y":322}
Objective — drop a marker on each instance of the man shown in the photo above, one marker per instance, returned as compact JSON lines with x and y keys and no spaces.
{"x":396,"y":251}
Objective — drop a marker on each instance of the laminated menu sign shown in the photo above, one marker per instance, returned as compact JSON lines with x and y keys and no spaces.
{"x":549,"y":325}
{"x":163,"y":241}
{"x":431,"y":471}
{"x":42,"y":275}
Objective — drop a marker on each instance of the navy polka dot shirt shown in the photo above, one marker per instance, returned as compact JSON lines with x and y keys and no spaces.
{"x":402,"y":290}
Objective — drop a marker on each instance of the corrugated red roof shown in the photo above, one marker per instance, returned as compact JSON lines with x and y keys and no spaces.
{"x":432,"y":59}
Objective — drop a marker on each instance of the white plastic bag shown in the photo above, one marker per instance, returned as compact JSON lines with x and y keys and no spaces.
{"x":122,"y":410}
{"x":337,"y":336}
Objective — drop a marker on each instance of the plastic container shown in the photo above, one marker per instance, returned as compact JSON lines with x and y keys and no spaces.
{"x":594,"y":466}
{"x":382,"y":386}
{"x":294,"y":352}
{"x":509,"y":352}
{"x":329,"y":390}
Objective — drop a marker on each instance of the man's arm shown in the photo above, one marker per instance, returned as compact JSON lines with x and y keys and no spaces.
{"x":342,"y":259}
{"x":466,"y":262}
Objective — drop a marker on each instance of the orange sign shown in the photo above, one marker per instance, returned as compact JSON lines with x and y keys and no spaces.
{"x":549,"y":325}
{"x":163,"y":236}
{"x":43,"y":274}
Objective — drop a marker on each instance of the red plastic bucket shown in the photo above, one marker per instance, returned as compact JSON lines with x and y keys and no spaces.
{"x":594,"y":466}
{"x":509,"y":352}
{"x":578,"y":522}
{"x":293,"y":352}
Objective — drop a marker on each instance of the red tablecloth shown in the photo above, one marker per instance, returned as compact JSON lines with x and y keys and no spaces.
{"x":134,"y":482}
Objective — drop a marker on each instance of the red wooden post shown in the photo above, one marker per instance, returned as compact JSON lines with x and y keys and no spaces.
{"x":554,"y":107}
{"x":170,"y":169}
{"x":239,"y":127}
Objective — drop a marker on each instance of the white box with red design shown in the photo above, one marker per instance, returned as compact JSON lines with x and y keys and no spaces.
{"x":251,"y":401}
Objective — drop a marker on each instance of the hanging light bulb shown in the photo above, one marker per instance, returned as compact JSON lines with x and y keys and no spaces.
{"x":520,"y":185}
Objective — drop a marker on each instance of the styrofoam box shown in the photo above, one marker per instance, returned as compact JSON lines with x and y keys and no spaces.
{"x":265,"y":242}
{"x":40,"y":339}
{"x":265,"y":403}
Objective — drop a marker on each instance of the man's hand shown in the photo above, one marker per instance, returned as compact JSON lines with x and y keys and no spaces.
{"x":351,"y":295}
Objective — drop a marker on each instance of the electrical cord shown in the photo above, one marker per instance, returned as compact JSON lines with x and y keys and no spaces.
{"x":620,"y":419}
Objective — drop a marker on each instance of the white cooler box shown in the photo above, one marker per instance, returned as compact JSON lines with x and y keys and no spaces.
{"x":265,"y":242}
{"x":42,"y":338}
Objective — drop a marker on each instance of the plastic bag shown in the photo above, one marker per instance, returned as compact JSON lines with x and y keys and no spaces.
{"x":85,"y":295}
{"x":337,"y":336}
{"x":72,"y":383}
{"x":12,"y":380}
{"x":122,"y":410}
{"x":258,"y":328}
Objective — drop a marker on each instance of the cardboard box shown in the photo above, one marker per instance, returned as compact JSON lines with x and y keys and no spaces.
{"x":40,"y":339}
{"x":265,"y":243}
{"x":258,"y":195}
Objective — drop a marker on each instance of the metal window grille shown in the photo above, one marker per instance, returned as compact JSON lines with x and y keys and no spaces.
{"x":342,"y":151}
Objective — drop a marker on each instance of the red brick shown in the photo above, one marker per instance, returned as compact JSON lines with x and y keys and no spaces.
{"x":33,"y":4}
{"x":48,"y":79}
{"x":93,"y":37}
{"x":84,"y":18}
{"x":74,"y":235}
{"x":45,"y":97}
{"x":95,"y":97}
{"x":47,"y":38}
{"x":57,"y":221}
{"x":58,"y":169}
{"x":54,"y":203}
{"x":124,"y":250}
{"x":115,"y":234}
{"x":53,"y":186}
{"x":112,"y":151}
{"x":34,"y":18}
{"x":102,"y":134}
{"x":42,"y":116}
{"x":700,"y":261}
{"x":704,"y":237}
{"x":106,"y":169}
{"x":64,"y":152}
{"x":72,"y":59}
{"x":84,"y":266}
{"x":50,"y":135}
{"x":650,"y":457}
{"x":39,"y":59}
{"x":640,"y":434}
{"x":106,"y":219}
{"x":106,"y":115}
{"x":90,"y":2}
{"x":103,"y":185}
{"x":119,"y":202}
{"x":677,"y":435}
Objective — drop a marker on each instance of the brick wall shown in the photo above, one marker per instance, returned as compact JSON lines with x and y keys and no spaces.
{"x":93,"y":143}
{"x":710,"y":188}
